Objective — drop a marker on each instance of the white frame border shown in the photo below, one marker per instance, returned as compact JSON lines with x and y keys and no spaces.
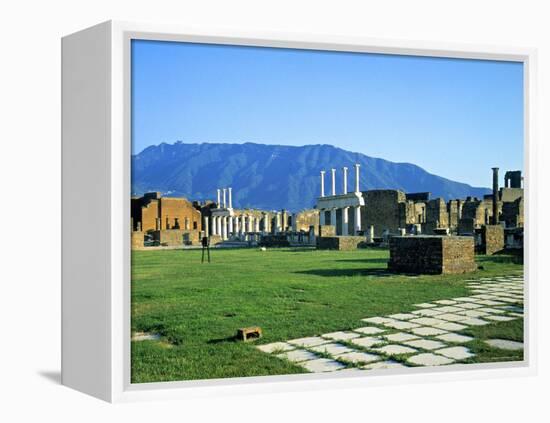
{"x":119,"y":284}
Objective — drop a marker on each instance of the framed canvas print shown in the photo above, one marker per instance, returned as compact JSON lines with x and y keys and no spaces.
{"x":248,"y":212}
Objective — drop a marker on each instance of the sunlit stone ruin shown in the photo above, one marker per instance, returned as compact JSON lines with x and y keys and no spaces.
{"x":423,"y":234}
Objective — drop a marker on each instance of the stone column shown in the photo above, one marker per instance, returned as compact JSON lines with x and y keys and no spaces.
{"x":278,"y":222}
{"x":370,"y":235}
{"x":322,"y":183}
{"x":230,"y":199}
{"x":250,"y":223}
{"x":322,"y":217}
{"x":257,"y":225}
{"x":333,"y":174}
{"x":267,"y":223}
{"x":230,"y":221}
{"x":357,"y":165}
{"x":495,"y":196}
{"x":345,"y":221}
{"x":357,"y":220}
{"x":345,"y":174}
{"x":206,"y":226}
{"x":243,"y":224}
{"x":236,"y":225}
{"x":219,"y":225}
{"x":219,"y":197}
{"x":333,"y":218}
{"x":224,"y":227}
{"x":224,"y":203}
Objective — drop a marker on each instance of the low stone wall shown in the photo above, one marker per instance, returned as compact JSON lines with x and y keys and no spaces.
{"x":492,"y":239}
{"x":342,"y":243}
{"x":168,"y":237}
{"x":137,"y":240}
{"x":432,"y":254}
{"x":278,"y":240}
{"x":327,"y":230}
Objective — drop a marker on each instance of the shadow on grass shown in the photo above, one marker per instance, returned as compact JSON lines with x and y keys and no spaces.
{"x":500,"y":258}
{"x":346,"y":272}
{"x":366,"y":260}
{"x":222,"y":340}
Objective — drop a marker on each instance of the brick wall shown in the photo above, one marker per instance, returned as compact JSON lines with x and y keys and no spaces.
{"x":137,"y":240}
{"x":383,"y":210}
{"x":327,"y":230}
{"x":432,"y":254}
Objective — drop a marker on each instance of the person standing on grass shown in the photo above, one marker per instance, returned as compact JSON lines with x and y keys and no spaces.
{"x":205,"y":246}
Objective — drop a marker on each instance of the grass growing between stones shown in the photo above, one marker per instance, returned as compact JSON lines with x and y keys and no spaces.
{"x":289,"y":293}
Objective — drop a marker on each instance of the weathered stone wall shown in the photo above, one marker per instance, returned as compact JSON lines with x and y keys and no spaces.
{"x":437,"y":215}
{"x":174,"y":213}
{"x":510,"y":194}
{"x":492,"y":239}
{"x":431,"y":254}
{"x":383,"y":210}
{"x":137,"y":240}
{"x":274,"y":240}
{"x":327,"y":230}
{"x":305,"y":219}
{"x":342,"y":243}
{"x":512,"y":213}
{"x":168,"y":237}
{"x":454,"y":210}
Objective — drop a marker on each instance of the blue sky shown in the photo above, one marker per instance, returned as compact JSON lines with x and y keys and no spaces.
{"x":455,"y":118}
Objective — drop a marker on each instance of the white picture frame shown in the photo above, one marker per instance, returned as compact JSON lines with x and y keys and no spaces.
{"x":96,"y":211}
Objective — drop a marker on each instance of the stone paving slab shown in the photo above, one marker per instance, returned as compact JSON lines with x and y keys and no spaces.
{"x":368,"y":341}
{"x":394,"y":349}
{"x":427,"y":312}
{"x":358,"y":357}
{"x":445,"y":302}
{"x":275,"y":346}
{"x":428,"y":321}
{"x":473,"y":313}
{"x":471,"y":306}
{"x":474,"y":322}
{"x":425,"y":344}
{"x":456,"y":353}
{"x":298,"y":356}
{"x":448,"y":309}
{"x":429,"y":359}
{"x":332,"y":349}
{"x":454,"y":338}
{"x":377,"y":320}
{"x":401,"y":325}
{"x":369,"y":330}
{"x":425,"y":305}
{"x":450,"y":326}
{"x":492,"y":310}
{"x":500,"y":318}
{"x":451,"y":317}
{"x":311,"y":341}
{"x":505,"y":344}
{"x":402,"y":316}
{"x":322,"y":365}
{"x":428,"y":331}
{"x":341,"y":335}
{"x":400,"y":337}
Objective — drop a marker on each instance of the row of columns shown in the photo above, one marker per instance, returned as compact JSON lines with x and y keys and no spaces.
{"x":345,"y":180}
{"x":223,"y":195}
{"x":344,"y":229}
{"x":225,"y":226}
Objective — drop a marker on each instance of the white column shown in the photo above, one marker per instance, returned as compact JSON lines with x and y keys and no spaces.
{"x":357,"y":165}
{"x":322,"y":183}
{"x":333,"y":173}
{"x":243,"y":224}
{"x":230,"y":221}
{"x":251,"y":224}
{"x":345,"y":172}
{"x":370,"y":237}
{"x":206,"y":227}
{"x":219,"y":197}
{"x":357,"y":219}
{"x":236,"y":225}
{"x":322,"y":217}
{"x":224,"y":203}
{"x":257,"y":225}
{"x":224,"y":227}
{"x":213,"y":225}
{"x":230,"y":200}
{"x":333,"y":217}
{"x":345,"y":221}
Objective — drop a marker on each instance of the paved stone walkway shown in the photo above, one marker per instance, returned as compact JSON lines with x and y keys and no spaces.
{"x":427,"y":336}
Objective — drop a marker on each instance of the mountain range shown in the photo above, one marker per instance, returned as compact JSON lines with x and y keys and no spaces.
{"x":275,"y":177}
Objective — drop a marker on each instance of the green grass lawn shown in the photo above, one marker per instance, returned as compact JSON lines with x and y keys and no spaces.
{"x":289,"y":293}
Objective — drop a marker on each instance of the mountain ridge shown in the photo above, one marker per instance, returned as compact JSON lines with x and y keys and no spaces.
{"x":275,"y":176}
